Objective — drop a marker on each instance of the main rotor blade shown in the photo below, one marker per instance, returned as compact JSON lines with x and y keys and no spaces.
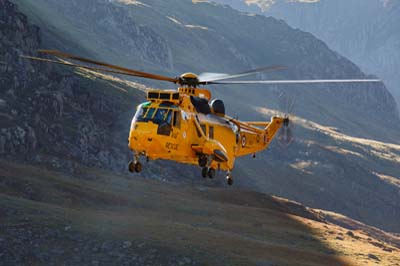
{"x":126,"y":71}
{"x":312,"y":81}
{"x":76,"y":65}
{"x":208,"y":77}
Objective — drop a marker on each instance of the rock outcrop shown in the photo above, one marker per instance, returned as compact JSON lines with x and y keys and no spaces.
{"x":47,"y":113}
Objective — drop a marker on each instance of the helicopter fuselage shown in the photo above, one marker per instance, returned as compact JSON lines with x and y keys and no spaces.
{"x":183,"y":127}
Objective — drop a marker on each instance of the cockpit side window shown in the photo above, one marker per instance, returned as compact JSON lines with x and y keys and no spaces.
{"x":211,"y":132}
{"x":177,"y":119}
{"x":168,"y":117}
{"x":139,"y":111}
{"x":139,"y":115}
{"x":203,"y":128}
{"x":163,"y":118}
{"x":163,"y":115}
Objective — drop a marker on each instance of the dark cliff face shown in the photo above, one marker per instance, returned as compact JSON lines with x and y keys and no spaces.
{"x":17,"y":37}
{"x":109,"y":27}
{"x":50,"y":114}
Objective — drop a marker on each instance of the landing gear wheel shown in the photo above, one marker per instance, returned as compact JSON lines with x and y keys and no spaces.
{"x":211,"y":173}
{"x":138,"y":167}
{"x":204,"y":172}
{"x":229,"y":178}
{"x":131,"y":166}
{"x":202,"y":160}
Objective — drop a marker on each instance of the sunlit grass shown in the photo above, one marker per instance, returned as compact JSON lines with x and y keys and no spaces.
{"x":384,"y":151}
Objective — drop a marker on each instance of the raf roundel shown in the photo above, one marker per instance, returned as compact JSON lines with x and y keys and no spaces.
{"x":243,"y":141}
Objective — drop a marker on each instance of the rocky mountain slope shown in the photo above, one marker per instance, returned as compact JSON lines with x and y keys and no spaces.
{"x":364,"y":31}
{"x":209,"y":41}
{"x":62,"y":117}
{"x":96,"y":218}
{"x":47,"y":113}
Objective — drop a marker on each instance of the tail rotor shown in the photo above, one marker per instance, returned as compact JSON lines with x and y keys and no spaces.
{"x":286,"y":104}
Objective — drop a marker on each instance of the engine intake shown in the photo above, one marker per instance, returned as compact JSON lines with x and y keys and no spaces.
{"x":218,"y":107}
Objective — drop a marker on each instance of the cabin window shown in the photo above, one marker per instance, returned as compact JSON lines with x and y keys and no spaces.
{"x":203,"y":128}
{"x":197,"y":129}
{"x":177,"y":119}
{"x":198,"y":132}
{"x":211,"y":132}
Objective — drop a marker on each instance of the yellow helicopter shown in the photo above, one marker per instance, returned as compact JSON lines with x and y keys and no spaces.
{"x":186,"y":125}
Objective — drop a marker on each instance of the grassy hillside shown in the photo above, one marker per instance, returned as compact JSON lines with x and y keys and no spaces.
{"x":330,"y":170}
{"x":100,"y":218}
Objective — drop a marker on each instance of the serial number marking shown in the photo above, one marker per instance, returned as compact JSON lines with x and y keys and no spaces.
{"x":171,"y":146}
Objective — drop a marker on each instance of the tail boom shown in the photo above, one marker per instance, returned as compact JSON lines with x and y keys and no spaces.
{"x":258,"y":139}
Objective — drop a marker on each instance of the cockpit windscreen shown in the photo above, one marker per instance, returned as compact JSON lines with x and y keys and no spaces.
{"x":156,"y":115}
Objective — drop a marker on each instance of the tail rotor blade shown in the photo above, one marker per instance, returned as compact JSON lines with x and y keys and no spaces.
{"x":285,"y":137}
{"x":286,"y":103}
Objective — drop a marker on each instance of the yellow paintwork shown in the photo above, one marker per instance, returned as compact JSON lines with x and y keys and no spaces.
{"x":231,"y":138}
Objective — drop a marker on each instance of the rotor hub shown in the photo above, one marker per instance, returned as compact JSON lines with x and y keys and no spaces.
{"x":188,"y":79}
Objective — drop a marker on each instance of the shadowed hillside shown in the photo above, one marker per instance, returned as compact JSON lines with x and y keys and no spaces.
{"x":364,"y":31}
{"x":96,"y":218}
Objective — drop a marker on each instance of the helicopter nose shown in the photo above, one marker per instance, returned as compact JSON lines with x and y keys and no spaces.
{"x":142,"y":139}
{"x":138,"y":138}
